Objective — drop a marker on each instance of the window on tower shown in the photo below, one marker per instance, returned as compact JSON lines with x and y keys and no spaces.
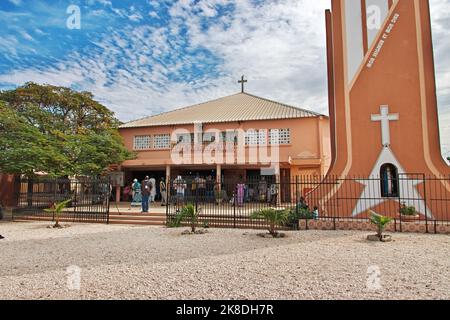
{"x":389,"y":181}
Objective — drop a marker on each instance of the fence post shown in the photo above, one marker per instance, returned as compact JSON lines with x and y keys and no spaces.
{"x":75,"y":205}
{"x":296,"y":195}
{"x":234,"y":205}
{"x":425,"y":201}
{"x":168,"y":188}
{"x":196,"y":195}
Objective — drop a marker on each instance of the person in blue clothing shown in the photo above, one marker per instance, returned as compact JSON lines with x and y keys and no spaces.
{"x":146,"y":190}
{"x":136,"y":193}
{"x":316,"y":213}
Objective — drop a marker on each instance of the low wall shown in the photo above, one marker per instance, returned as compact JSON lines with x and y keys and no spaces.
{"x":365,"y":225}
{"x":7,"y":214}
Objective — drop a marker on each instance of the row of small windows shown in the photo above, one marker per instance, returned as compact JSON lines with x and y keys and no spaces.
{"x":252,"y":138}
{"x":276,"y":137}
{"x":160,"y":141}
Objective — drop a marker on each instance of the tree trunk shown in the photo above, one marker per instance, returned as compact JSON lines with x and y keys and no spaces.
{"x":30,"y":192}
{"x":272,"y":229}
{"x":380,"y":233}
{"x":57,"y":225}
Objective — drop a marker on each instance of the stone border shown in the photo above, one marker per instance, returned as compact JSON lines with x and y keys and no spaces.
{"x":365,"y":225}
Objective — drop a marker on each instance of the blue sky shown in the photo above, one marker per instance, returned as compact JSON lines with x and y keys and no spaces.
{"x":145,"y":57}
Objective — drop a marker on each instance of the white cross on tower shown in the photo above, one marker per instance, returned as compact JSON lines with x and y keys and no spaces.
{"x":385,"y":119}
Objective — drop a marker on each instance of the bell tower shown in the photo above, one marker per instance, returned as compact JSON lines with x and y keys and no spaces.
{"x":382,"y":96}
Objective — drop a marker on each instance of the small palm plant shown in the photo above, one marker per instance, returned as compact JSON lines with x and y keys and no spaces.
{"x":381,"y":222}
{"x":57,"y":209}
{"x":189,"y":213}
{"x":273,"y":217}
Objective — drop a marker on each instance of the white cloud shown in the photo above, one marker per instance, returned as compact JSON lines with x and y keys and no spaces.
{"x":16,"y":2}
{"x":278,"y":45}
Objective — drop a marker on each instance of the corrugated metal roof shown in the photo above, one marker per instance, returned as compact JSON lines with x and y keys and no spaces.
{"x":238,"y":107}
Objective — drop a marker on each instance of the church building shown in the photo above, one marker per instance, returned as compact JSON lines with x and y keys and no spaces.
{"x":235,"y":137}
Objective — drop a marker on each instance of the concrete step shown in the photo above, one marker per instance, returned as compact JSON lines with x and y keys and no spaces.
{"x":137,"y":218}
{"x":135,"y":214}
{"x":138,"y":222}
{"x":49,"y":219}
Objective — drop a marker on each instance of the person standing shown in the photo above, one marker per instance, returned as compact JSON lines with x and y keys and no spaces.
{"x":126,"y":193}
{"x":145,"y":186}
{"x":152,"y":190}
{"x":180,"y":187}
{"x":240,"y":194}
{"x":273,"y":194}
{"x":136,"y":193}
{"x":262,"y":188}
{"x":163,"y":190}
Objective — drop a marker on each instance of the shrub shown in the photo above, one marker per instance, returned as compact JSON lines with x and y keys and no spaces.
{"x":407,"y":211}
{"x":57,"y":209}
{"x":273,"y":217}
{"x":298,"y":213}
{"x":189,"y":214}
{"x":380,"y":221}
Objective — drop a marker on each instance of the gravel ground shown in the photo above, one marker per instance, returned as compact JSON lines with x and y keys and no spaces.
{"x":130,"y":262}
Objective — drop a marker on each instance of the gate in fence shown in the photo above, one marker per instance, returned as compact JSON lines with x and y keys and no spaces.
{"x":229,"y":204}
{"x":90,"y":199}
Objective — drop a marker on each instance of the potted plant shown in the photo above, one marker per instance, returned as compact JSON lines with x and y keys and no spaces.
{"x":408,"y":213}
{"x":381,"y":222}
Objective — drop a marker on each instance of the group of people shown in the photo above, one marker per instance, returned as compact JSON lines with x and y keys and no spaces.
{"x":144,"y":193}
{"x":303,"y":205}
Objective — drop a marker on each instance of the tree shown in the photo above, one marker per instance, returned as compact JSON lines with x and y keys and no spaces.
{"x":24,"y":148}
{"x":58,"y":131}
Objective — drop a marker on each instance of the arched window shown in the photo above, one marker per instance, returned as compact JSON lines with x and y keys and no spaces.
{"x":389,"y":181}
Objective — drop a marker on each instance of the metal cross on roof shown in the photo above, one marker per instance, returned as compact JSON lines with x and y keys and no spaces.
{"x":243,"y":82}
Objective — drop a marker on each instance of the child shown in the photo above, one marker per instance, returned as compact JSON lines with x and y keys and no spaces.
{"x":316,"y":213}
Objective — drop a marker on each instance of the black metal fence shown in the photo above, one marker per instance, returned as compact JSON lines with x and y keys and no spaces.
{"x":231,"y":203}
{"x":90,"y":198}
{"x":352,"y":197}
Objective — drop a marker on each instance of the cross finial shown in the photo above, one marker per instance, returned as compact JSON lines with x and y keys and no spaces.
{"x":243,"y":82}
{"x":385,"y":118}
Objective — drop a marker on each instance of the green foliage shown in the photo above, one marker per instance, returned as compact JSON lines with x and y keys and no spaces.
{"x":189,"y":214}
{"x":58,"y":131}
{"x":407,"y":211}
{"x":24,"y":148}
{"x":273,"y":217}
{"x":380,"y":221}
{"x":57,"y":209}
{"x":298,"y":213}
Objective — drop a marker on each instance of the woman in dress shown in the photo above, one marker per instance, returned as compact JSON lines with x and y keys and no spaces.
{"x":240,"y":194}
